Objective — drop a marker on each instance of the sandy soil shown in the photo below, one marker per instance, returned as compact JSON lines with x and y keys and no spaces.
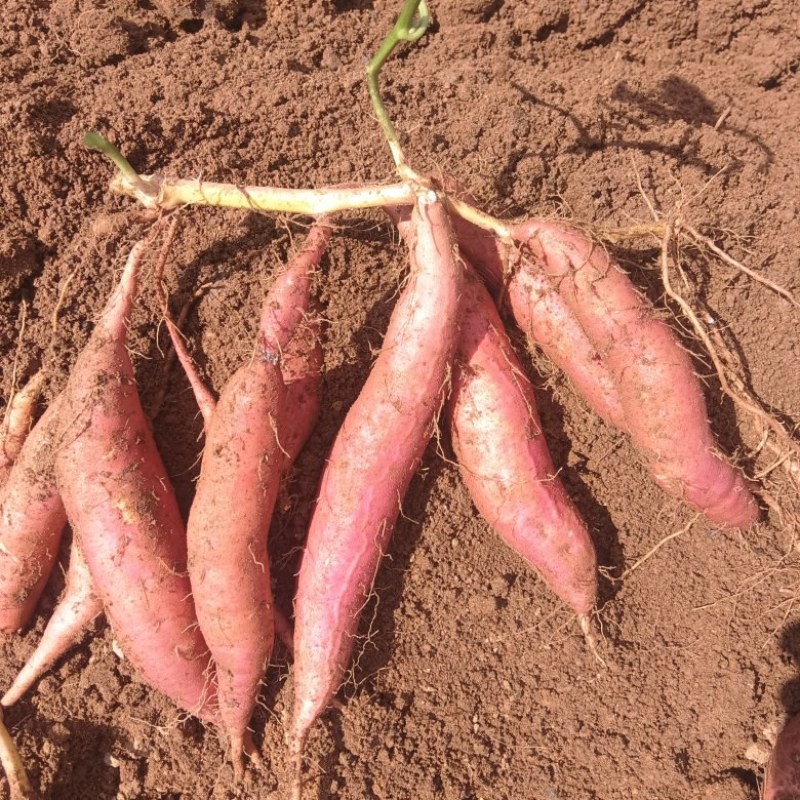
{"x":473,"y":681}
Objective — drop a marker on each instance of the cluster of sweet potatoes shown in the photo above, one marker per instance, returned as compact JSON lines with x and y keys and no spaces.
{"x":190,"y":604}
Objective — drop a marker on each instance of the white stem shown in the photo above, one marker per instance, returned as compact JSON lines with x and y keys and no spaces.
{"x":172,"y":194}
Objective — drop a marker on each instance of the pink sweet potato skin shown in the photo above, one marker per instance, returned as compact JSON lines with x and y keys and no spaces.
{"x":227,"y":538}
{"x":548,"y":323}
{"x":122,"y":508}
{"x":504,"y":459}
{"x":661,"y":397}
{"x":782,"y":781}
{"x":76,"y":608}
{"x":371,"y":465}
{"x":540,"y":312}
{"x":286,"y":306}
{"x":301,"y":368}
{"x":295,"y":327}
{"x":32,"y":518}
{"x":242,"y":467}
{"x":17,"y":422}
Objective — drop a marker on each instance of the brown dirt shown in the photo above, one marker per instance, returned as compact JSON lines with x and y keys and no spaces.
{"x":474,"y":681}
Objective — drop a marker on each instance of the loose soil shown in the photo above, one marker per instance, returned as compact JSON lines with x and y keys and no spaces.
{"x":473,"y":681}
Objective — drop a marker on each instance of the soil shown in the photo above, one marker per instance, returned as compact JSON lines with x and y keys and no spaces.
{"x":472,"y":681}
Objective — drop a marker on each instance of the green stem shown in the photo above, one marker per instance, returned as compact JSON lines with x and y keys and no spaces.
{"x":96,"y":141}
{"x":411,"y":24}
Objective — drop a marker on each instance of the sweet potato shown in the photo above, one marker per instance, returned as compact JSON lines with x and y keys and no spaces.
{"x":499,"y":443}
{"x":17,"y":422}
{"x":32,"y":518}
{"x":504,"y":459}
{"x":782,"y":780}
{"x":295,"y":331}
{"x":300,"y":357}
{"x":122,"y":508}
{"x":548,"y":322}
{"x":227,"y":538}
{"x":373,"y":459}
{"x":661,"y":397}
{"x":541,"y":313}
{"x":230,"y":516}
{"x":301,"y":368}
{"x":77,"y":607}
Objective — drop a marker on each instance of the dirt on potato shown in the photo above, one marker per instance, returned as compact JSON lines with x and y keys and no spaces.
{"x":473,"y":681}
